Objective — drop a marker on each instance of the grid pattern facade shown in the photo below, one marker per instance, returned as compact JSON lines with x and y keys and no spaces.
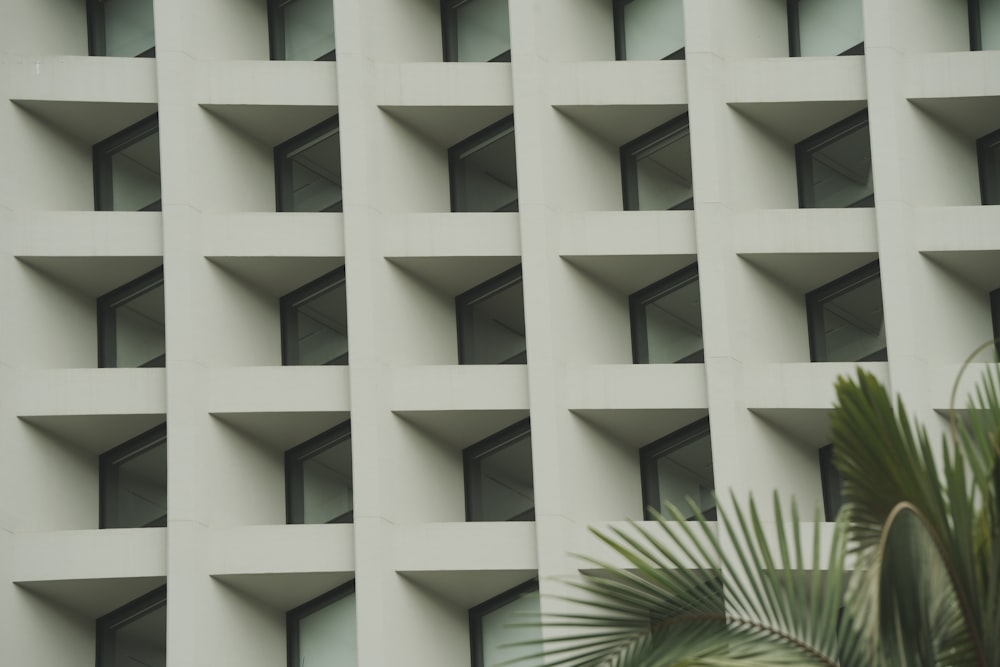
{"x":231,"y":564}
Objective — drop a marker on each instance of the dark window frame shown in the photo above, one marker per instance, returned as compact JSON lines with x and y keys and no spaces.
{"x":283,"y":184}
{"x":97,"y":32}
{"x":110,"y":623}
{"x":276,"y":32}
{"x":651,"y":453}
{"x":289,"y":324}
{"x":294,"y":616}
{"x":107,"y":350}
{"x":104,"y":150}
{"x":294,"y":478}
{"x":644,"y":144}
{"x":988,"y":153}
{"x":832,"y":483}
{"x":995,"y":316}
{"x":637,"y":302}
{"x":472,"y":457}
{"x":618,"y":14}
{"x":465,"y":302}
{"x":816,"y":299}
{"x":108,"y":463}
{"x":449,"y":33}
{"x":975,"y":26}
{"x":476,"y":613}
{"x":805,"y":148}
{"x":482,"y":138}
{"x":795,"y":40}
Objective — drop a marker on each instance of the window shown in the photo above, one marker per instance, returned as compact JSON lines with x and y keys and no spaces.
{"x":475,"y":30}
{"x":835,"y":166}
{"x":491,"y":321}
{"x":324,"y":631}
{"x":127,"y":169}
{"x":831,"y":483}
{"x":133,"y":481}
{"x":656,"y":169}
{"x":846,"y":322}
{"x":130,"y":331}
{"x":314,"y":322}
{"x":318,"y":482}
{"x":649,"y":29}
{"x":995,"y":312}
{"x":984,"y":24}
{"x":301,"y":29}
{"x":989,"y":168}
{"x":307,"y":170}
{"x":666,"y":320}
{"x":825,"y":28}
{"x":135,"y":633}
{"x":483,"y":170}
{"x":120,"y":28}
{"x":498,"y":477}
{"x":677,"y":467}
{"x":493,"y":625}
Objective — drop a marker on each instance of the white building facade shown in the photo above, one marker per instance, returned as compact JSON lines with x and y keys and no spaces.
{"x":330,"y":326}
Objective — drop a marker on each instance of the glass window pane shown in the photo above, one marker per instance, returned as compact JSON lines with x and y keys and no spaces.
{"x":684,"y":473}
{"x":487,"y":175}
{"x":664,"y":174}
{"x":328,"y":636}
{"x":308,"y":29}
{"x":322,"y":327}
{"x":483,"y":30}
{"x":326,"y":484}
{"x":853,"y":324}
{"x":673,"y":326}
{"x":498,"y":633}
{"x":134,"y":634}
{"x":135,"y":176}
{"x":128,"y":27}
{"x":842,"y":171}
{"x":139,"y":330}
{"x":654,"y":29}
{"x":134,"y":483}
{"x":505,"y":481}
{"x":989,"y":23}
{"x":495,"y":334}
{"x":316,"y":175}
{"x":829,"y":27}
{"x":989,"y":168}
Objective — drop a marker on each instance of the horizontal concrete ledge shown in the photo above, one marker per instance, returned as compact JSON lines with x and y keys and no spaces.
{"x":477,"y":545}
{"x":86,"y":391}
{"x":273,"y":234}
{"x":81,"y":79}
{"x":90,"y":554}
{"x":450,"y":234}
{"x":800,"y":385}
{"x":262,"y":82}
{"x":626,"y":233}
{"x":797,"y":79}
{"x":952,"y":75}
{"x":277,"y":389}
{"x":82,"y":233}
{"x":812,"y":230}
{"x":617,"y":83}
{"x":459,"y":388}
{"x":252,"y":550}
{"x":444,"y":84}
{"x":636,"y":386}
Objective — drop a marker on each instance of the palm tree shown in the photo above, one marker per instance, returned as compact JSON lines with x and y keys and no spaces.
{"x":911,"y":575}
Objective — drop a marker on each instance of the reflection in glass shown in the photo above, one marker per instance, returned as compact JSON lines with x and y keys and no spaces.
{"x":314,"y":322}
{"x":835,"y":166}
{"x":318,"y":479}
{"x":134,"y":482}
{"x":302,"y":30}
{"x":988,"y":148}
{"x":476,"y":30}
{"x":131,"y":330}
{"x":666,"y":320}
{"x":989,"y":25}
{"x":324,"y":630}
{"x":491,"y":321}
{"x":122,"y":28}
{"x":135,"y":634}
{"x":498,"y":473}
{"x":649,"y":29}
{"x":677,"y":468}
{"x":484,"y":170}
{"x":846,"y":321}
{"x":825,"y":28}
{"x":502,"y":623}
{"x":127,"y":169}
{"x":832,"y":483}
{"x":656,"y":169}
